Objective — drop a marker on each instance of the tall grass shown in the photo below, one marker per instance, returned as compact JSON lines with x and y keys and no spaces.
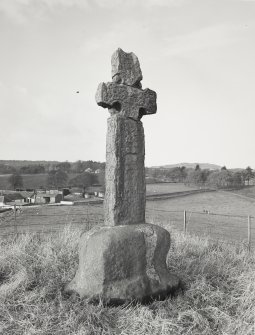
{"x":219,"y":295}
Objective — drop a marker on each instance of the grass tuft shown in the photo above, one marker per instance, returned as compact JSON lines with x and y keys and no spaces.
{"x":219,"y":297}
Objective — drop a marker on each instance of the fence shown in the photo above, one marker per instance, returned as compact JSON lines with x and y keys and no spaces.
{"x":216,"y":226}
{"x":49,"y":219}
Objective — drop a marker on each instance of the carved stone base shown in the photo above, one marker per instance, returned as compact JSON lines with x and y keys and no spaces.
{"x":124,"y":263}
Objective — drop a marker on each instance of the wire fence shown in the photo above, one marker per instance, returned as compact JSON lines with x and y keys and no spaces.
{"x":221,"y":227}
{"x":48,"y":219}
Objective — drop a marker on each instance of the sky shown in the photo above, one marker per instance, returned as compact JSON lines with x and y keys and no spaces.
{"x":198,"y":55}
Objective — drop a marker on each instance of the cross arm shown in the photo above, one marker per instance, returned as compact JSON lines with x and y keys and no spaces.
{"x":129,"y":101}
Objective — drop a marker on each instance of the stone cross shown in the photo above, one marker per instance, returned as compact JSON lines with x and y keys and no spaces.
{"x":125,"y":174}
{"x":124,"y":260}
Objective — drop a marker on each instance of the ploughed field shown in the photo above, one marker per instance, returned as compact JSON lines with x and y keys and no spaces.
{"x":221,"y":215}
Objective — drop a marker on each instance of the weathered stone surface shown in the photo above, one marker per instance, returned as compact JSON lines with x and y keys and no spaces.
{"x":126,"y":68}
{"x":124,"y":263}
{"x":126,"y":259}
{"x":126,"y":100}
{"x":125,"y":178}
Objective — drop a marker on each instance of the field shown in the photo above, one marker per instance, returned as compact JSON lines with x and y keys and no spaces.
{"x":218,"y":299}
{"x":248,"y":191}
{"x":219,"y":294}
{"x":51,"y":218}
{"x":161,"y":188}
{"x":204,"y":214}
{"x":220,"y":215}
{"x":216,"y":202}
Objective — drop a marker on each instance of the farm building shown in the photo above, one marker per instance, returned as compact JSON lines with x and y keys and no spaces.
{"x":94,"y":190}
{"x":46,"y":198}
{"x":28,"y":196}
{"x":78,"y":191}
{"x":13,"y":198}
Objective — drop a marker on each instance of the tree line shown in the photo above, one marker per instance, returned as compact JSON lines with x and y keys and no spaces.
{"x":57,"y":179}
{"x":222,"y":178}
{"x":69,"y":167}
{"x":62,"y":176}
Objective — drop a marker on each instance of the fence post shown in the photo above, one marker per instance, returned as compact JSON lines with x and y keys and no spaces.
{"x":249,"y":233}
{"x":15,"y":219}
{"x":185,"y":221}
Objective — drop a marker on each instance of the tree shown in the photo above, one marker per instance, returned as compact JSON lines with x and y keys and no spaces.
{"x":6,"y":169}
{"x":32,"y":169}
{"x":237,"y":179}
{"x":57,"y":178}
{"x":248,"y":174}
{"x":183,"y":173}
{"x":101,"y":179}
{"x":197,"y":168}
{"x":78,"y":167}
{"x":223,"y":168}
{"x":64,"y":166}
{"x":197,"y":176}
{"x":204,"y":174}
{"x":221,"y":179}
{"x":15,"y":180}
{"x":83,"y":180}
{"x":176,"y":174}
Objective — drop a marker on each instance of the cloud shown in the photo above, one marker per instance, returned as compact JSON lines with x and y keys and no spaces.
{"x":21,"y":90}
{"x":163,"y":3}
{"x":65,"y":3}
{"x":20,"y":11}
{"x":205,"y":38}
{"x":141,"y":3}
{"x":13,"y":10}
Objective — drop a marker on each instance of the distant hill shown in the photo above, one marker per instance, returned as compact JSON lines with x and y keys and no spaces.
{"x":190,"y":166}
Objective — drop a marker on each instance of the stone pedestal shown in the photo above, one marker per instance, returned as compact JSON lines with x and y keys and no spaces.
{"x":124,"y":263}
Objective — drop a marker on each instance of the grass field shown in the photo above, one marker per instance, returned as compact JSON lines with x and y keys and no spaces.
{"x":216,"y":202}
{"x":159,"y":188}
{"x":51,"y":218}
{"x":219,"y":278}
{"x":219,"y":295}
{"x":248,"y":191}
{"x":231,"y":226}
{"x":203,"y":216}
